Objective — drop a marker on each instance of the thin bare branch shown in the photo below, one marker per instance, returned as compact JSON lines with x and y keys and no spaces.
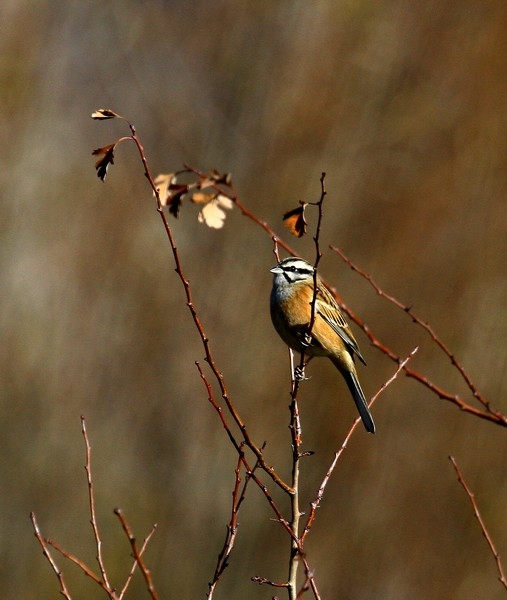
{"x":138,"y":554}
{"x":135,"y":562}
{"x":489,"y":413}
{"x":232,"y":529}
{"x":250,"y":471}
{"x":45,"y":551}
{"x":238,"y":496}
{"x":295,"y":423}
{"x":316,"y":502}
{"x":197,"y":321}
{"x":482,"y":525}
{"x":93,"y":515}
{"x":264,"y":581}
{"x":83,"y":566}
{"x":310,"y":579}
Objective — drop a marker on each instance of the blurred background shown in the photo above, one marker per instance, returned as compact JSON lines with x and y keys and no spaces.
{"x":403,"y":105}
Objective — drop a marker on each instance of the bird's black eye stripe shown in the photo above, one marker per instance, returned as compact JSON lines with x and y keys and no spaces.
{"x":299,"y":270}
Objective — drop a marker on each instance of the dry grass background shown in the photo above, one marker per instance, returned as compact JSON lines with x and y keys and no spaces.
{"x":403,"y":104}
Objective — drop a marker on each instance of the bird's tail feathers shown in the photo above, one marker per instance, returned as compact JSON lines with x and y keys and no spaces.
{"x":357,"y":393}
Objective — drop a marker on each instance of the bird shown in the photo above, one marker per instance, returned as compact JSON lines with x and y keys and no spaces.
{"x":291,"y":308}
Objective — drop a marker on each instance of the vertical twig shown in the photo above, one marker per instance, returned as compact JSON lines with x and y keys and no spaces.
{"x":93,"y":516}
{"x":295,"y":430}
{"x":238,"y":497}
{"x":295,"y":425}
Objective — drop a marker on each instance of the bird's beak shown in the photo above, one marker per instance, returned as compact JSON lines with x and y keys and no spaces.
{"x":276,"y":270}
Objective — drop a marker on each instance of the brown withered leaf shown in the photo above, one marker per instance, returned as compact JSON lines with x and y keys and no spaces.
{"x":295,"y":220}
{"x":170,"y":192}
{"x":213,"y":178}
{"x":177,"y":192}
{"x":107,"y":158}
{"x":163,"y":181}
{"x":202,"y":198}
{"x":223,"y":178}
{"x":104,"y":113}
{"x":212,"y":214}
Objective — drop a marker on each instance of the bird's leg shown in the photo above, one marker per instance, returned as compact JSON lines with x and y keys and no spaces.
{"x":299,"y":371}
{"x":306,"y":340}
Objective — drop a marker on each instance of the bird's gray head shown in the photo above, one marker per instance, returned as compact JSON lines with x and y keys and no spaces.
{"x":291,"y":270}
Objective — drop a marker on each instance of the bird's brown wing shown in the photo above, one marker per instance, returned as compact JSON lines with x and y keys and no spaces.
{"x":327,"y":307}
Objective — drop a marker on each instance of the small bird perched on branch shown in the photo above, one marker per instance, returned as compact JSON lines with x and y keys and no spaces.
{"x":291,"y":308}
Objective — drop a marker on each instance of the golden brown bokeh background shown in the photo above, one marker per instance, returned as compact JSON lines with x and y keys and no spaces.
{"x":403,"y":104}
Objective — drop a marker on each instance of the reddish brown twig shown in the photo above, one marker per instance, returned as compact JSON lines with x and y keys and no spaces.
{"x":45,"y":551}
{"x":310,"y":579}
{"x":84,"y":568}
{"x":232,"y":529}
{"x":200,"y":328}
{"x":298,"y":547}
{"x":138,"y":553}
{"x":316,"y":502}
{"x":135,"y":561}
{"x":246,"y":441}
{"x":102,"y":580}
{"x":295,"y":423}
{"x":482,"y":525}
{"x":250,"y":471}
{"x":238,"y":496}
{"x":264,"y":581}
{"x":489,"y":414}
{"x":309,"y":582}
{"x":91,"y":501}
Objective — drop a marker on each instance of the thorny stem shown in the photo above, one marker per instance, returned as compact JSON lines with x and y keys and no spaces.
{"x":295,"y":426}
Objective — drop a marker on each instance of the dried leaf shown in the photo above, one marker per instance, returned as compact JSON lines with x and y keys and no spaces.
{"x":223,"y":178}
{"x":295,"y":220}
{"x":202,"y":198}
{"x":104,"y":113}
{"x":213,"y":178}
{"x":107,"y":159}
{"x":225,"y":202}
{"x":204,"y":182}
{"x":163,"y":181}
{"x":212,"y":214}
{"x":177,"y":193}
{"x":170,"y":192}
